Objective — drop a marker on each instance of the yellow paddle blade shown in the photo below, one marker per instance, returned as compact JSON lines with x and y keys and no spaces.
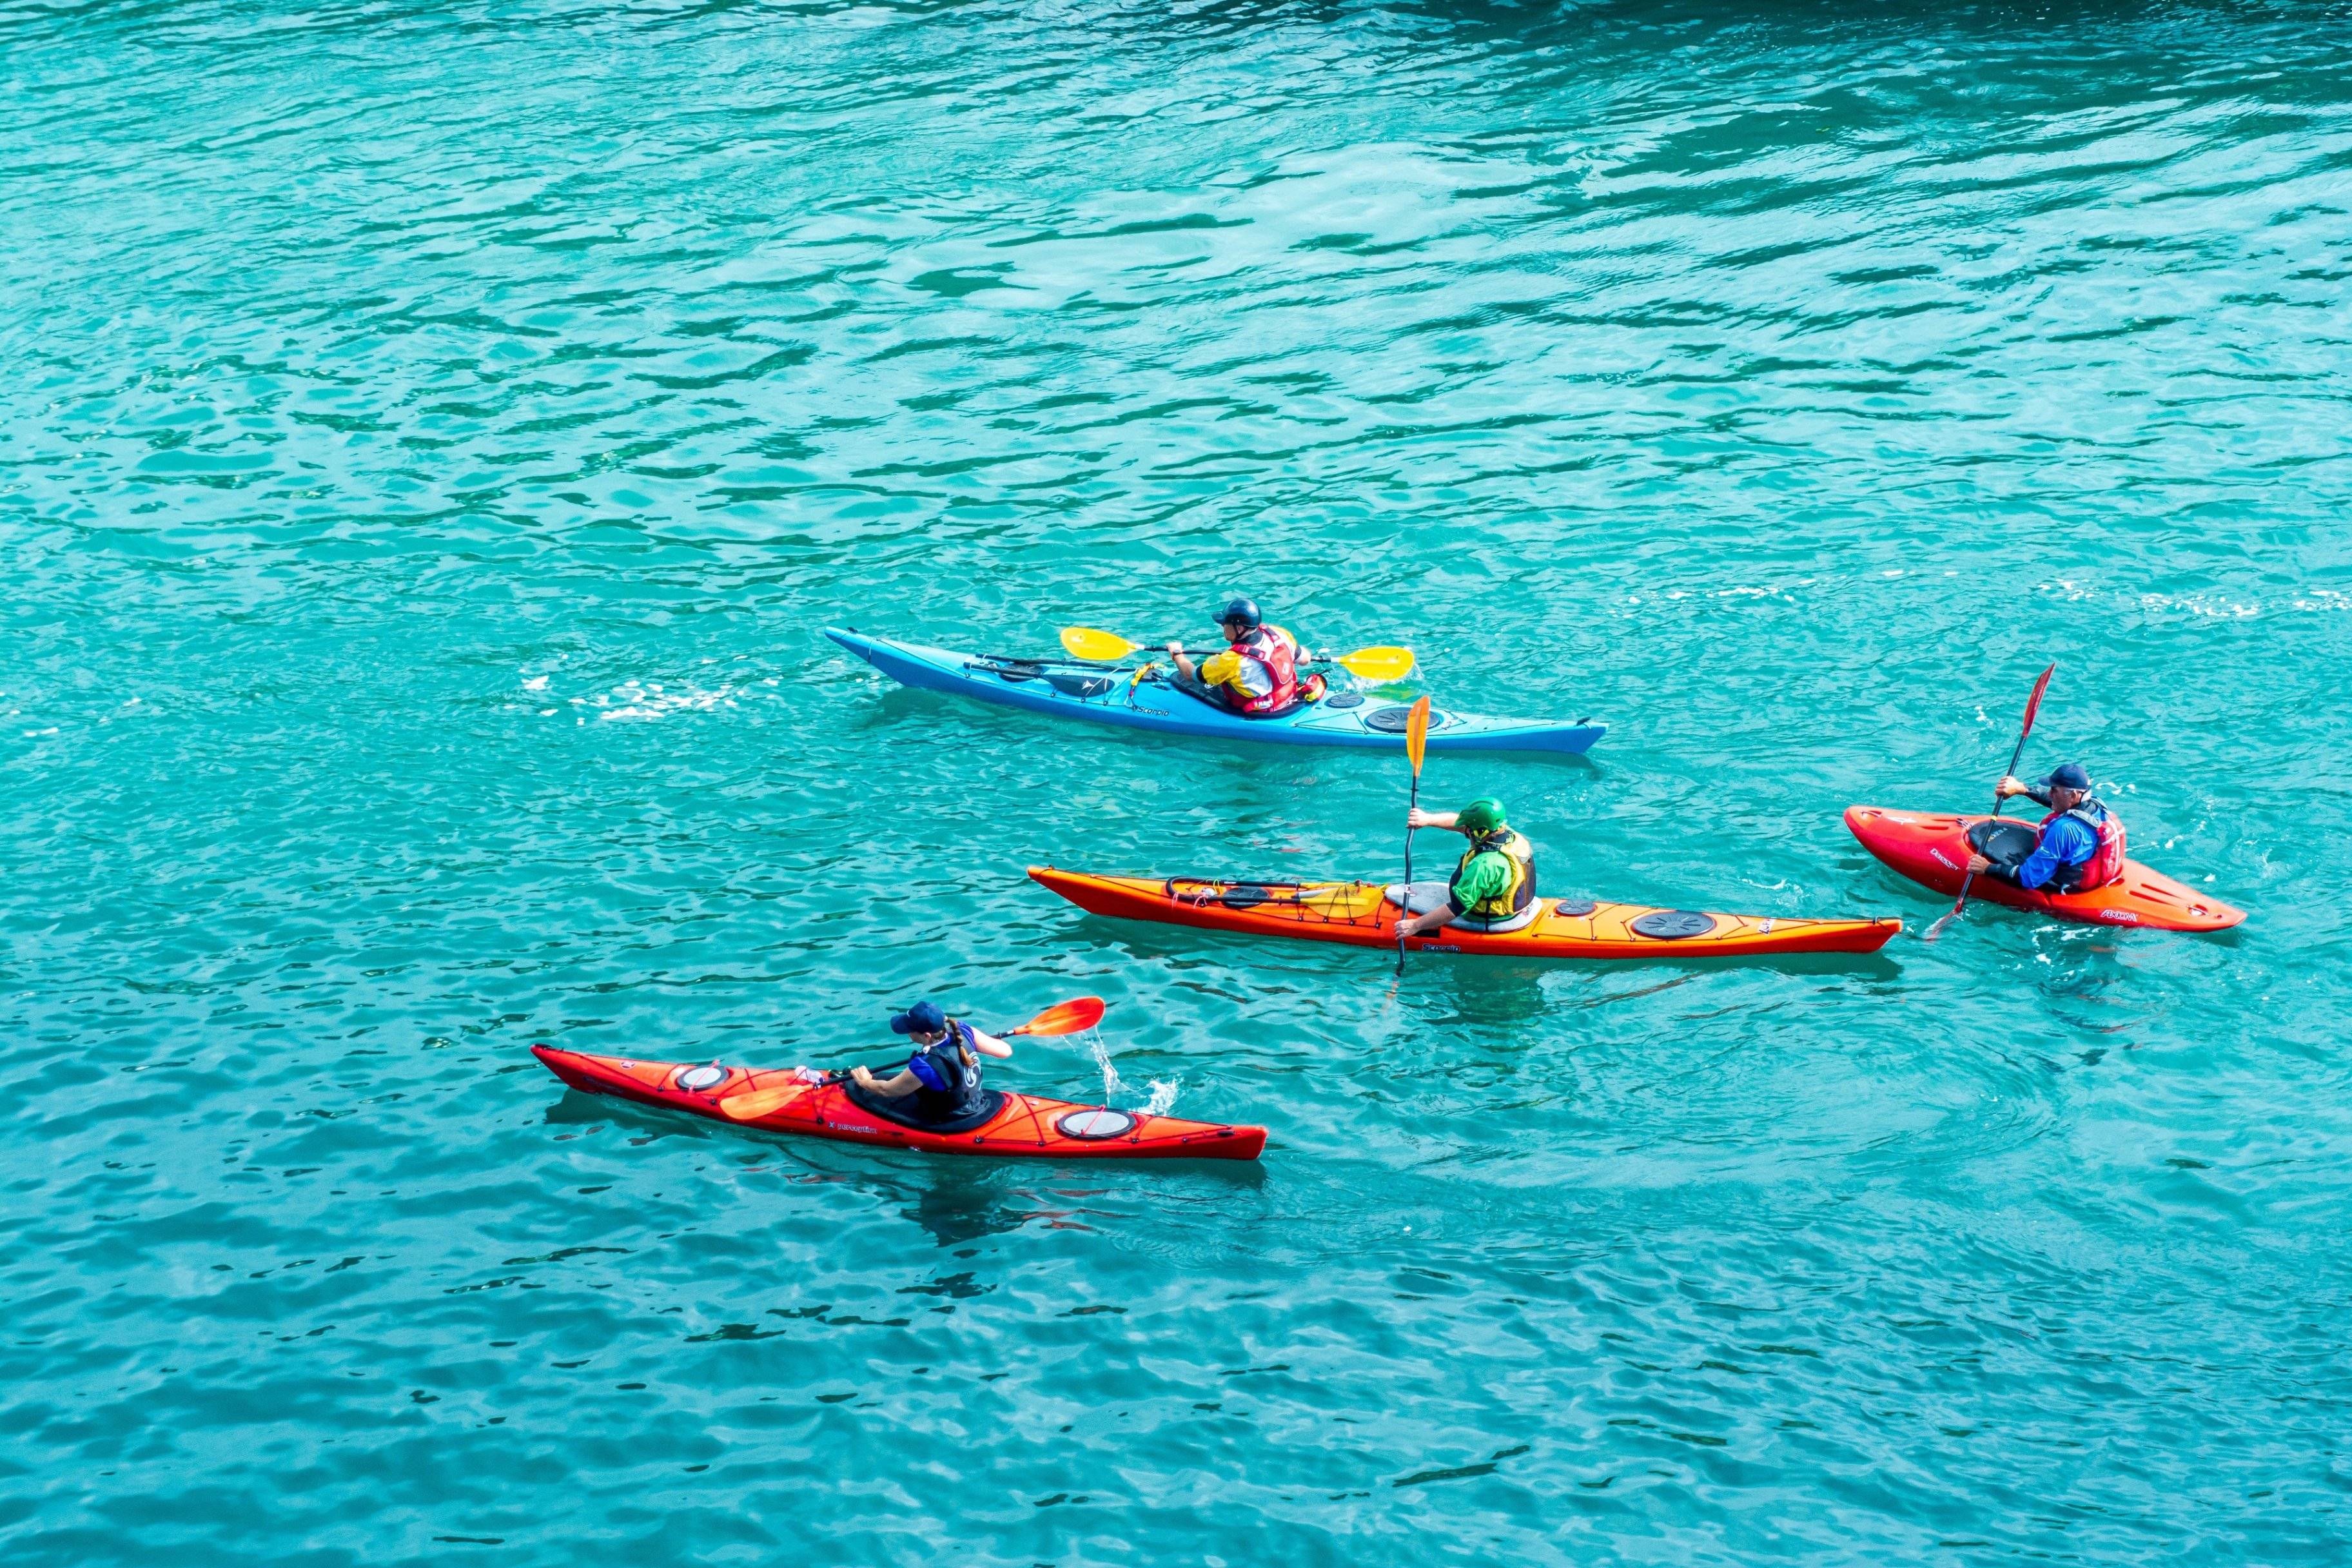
{"x":1087,"y":643}
{"x":1378,"y":663}
{"x":758,"y":1103}
{"x":1416,"y":734}
{"x":1065,"y":1017}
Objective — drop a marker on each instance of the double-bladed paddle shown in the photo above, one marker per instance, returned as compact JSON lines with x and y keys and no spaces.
{"x":2032,"y":706}
{"x":1416,"y":746}
{"x":1062,"y":1018}
{"x":1097,"y":647}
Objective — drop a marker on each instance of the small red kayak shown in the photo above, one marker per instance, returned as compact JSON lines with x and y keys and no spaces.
{"x":1022,"y":1126}
{"x":1933,"y":849}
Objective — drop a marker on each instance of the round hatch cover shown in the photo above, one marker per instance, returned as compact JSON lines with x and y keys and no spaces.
{"x":1344,"y":700}
{"x":694,"y":1080}
{"x":1244,"y":896}
{"x":1673,"y":925}
{"x":1392,"y":721}
{"x":1099,"y":1123}
{"x":1578,"y":905}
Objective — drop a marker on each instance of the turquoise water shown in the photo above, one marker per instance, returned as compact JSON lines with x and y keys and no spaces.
{"x":433,"y":436}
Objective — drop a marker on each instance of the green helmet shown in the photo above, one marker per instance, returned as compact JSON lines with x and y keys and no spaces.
{"x":1482,"y":816}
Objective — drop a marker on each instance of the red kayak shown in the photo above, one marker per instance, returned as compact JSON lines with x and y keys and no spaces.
{"x":1932,"y":847}
{"x":779,"y":1101}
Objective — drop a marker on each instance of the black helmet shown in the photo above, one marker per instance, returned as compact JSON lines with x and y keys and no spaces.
{"x":1242,"y":610}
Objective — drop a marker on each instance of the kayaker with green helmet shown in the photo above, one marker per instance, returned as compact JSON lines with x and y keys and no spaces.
{"x":940,"y":1084}
{"x":1256,"y":676}
{"x":1494,"y":885}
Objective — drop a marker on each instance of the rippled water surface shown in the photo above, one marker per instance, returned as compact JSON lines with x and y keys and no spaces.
{"x":431,"y":440}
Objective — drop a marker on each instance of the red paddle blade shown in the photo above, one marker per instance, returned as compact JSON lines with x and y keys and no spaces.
{"x":1065,"y":1017}
{"x":2033,"y":704}
{"x":1416,"y":734}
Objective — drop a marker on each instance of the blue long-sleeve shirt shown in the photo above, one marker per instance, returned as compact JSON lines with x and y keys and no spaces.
{"x":2065,"y":842}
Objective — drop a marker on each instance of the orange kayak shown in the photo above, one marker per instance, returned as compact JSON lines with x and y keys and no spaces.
{"x":1023,"y":1126}
{"x":1932,"y":847}
{"x":1361,"y":913}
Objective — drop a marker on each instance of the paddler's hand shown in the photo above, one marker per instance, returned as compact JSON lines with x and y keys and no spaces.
{"x":1173,"y":649}
{"x":1417,"y":818}
{"x":861,"y":1078}
{"x":2008,"y":787}
{"x":1977,"y":865}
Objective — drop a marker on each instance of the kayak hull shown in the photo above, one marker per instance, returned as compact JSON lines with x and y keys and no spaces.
{"x":1359,"y":914}
{"x":1932,"y":849}
{"x":1162,"y":709}
{"x":1027,"y":1127}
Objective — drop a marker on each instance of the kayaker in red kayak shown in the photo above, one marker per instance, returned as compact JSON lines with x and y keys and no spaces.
{"x":940,"y":1084}
{"x":1256,"y":676}
{"x":2081,"y":844}
{"x":1494,"y":883}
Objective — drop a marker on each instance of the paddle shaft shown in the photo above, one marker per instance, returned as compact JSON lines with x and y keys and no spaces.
{"x":1416,"y":752}
{"x":1410,"y":809}
{"x":1998,"y":800}
{"x":1405,"y":909}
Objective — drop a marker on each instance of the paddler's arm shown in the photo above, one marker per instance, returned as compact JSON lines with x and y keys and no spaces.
{"x":897,"y":1088}
{"x":2012,"y":786}
{"x":1421,"y":925}
{"x":1183,"y":661}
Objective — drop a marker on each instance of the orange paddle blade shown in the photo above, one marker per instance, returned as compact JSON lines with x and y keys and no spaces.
{"x":759,"y":1102}
{"x":1416,"y":734}
{"x":1065,"y":1017}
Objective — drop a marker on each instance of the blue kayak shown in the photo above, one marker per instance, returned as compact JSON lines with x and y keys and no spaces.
{"x":1109,"y":695}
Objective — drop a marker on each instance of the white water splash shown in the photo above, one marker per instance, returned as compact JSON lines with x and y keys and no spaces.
{"x":1162,"y":1090}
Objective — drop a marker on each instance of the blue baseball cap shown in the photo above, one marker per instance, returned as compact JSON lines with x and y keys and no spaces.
{"x":2068,"y":775}
{"x":922,"y":1019}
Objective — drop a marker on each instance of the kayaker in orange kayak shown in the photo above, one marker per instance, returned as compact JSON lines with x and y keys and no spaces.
{"x":1494,"y":883}
{"x":941,"y":1082}
{"x":2081,"y":844}
{"x":1256,"y":676}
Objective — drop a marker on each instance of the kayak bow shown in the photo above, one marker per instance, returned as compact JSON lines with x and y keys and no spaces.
{"x":1107,"y":695}
{"x":1361,"y":914}
{"x":1025,"y":1127}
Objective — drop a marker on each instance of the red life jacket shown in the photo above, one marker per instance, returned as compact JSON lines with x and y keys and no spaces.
{"x":2106,"y":862}
{"x":1279,"y":656}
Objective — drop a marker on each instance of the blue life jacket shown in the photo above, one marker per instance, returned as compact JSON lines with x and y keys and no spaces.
{"x":950,"y":1074}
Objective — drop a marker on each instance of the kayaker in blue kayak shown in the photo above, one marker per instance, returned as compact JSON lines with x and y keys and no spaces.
{"x":1256,"y":676}
{"x":941,"y":1082}
{"x":1494,"y":883}
{"x":2079,"y":844}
